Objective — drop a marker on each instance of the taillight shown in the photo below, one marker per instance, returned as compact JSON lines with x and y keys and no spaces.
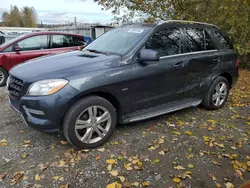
{"x":237,"y":62}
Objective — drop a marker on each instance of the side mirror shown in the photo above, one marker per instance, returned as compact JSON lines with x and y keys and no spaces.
{"x":148,"y":55}
{"x":17,"y":49}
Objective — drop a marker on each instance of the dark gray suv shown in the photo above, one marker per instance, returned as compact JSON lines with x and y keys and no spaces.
{"x":131,"y":73}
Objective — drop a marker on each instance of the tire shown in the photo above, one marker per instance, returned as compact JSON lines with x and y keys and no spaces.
{"x":79,"y":116}
{"x":210,"y":101}
{"x":3,"y":77}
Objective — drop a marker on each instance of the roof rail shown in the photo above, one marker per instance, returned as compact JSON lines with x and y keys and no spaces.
{"x":185,"y":21}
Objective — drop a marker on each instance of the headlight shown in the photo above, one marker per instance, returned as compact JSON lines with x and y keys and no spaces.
{"x":46,"y":87}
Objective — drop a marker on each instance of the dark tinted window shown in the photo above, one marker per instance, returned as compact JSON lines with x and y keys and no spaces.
{"x":39,"y":42}
{"x":62,"y":41}
{"x":194,"y":40}
{"x":209,"y":42}
{"x":166,"y":42}
{"x":222,"y":40}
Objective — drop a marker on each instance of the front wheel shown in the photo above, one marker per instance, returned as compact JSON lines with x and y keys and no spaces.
{"x":90,"y":122}
{"x":217,"y":94}
{"x":3,"y":76}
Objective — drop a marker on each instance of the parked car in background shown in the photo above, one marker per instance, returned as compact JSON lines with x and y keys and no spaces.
{"x":130,"y":73}
{"x":34,"y":45}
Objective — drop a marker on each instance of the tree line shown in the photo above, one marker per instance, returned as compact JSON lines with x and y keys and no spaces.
{"x":232,"y":16}
{"x":24,"y":17}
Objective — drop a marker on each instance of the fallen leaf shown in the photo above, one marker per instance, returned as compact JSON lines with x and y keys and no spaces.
{"x":229,"y":185}
{"x":111,"y":161}
{"x":211,"y":121}
{"x":145,"y":183}
{"x":37,"y":177}
{"x":56,"y":178}
{"x":3,"y":142}
{"x":161,"y":141}
{"x":122,"y":178}
{"x":128,"y":166}
{"x":218,"y":185}
{"x":63,"y":142}
{"x":109,"y":167}
{"x":64,"y":186}
{"x":114,"y":173}
{"x":127,"y":184}
{"x":114,"y":185}
{"x":26,"y":141}
{"x":155,"y":161}
{"x":176,"y":133}
{"x":189,"y":133}
{"x":16,"y":177}
{"x":98,"y":157}
{"x":179,"y":167}
{"x":233,"y":147}
{"x":101,"y":149}
{"x":161,"y":152}
{"x":24,"y":156}
{"x":190,"y":166}
{"x":176,"y":180}
{"x":135,"y":184}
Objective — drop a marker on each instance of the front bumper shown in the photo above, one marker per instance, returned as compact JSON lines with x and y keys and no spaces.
{"x":44,"y":113}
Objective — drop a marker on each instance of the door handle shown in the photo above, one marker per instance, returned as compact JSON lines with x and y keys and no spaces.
{"x":179,"y":65}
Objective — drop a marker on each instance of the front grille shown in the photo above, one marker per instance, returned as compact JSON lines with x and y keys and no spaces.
{"x":15,"y":86}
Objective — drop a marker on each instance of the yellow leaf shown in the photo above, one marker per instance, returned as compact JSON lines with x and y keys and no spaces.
{"x":114,"y":173}
{"x":26,"y":141}
{"x":98,"y":157}
{"x":37,"y":177}
{"x":114,"y":185}
{"x":218,"y":185}
{"x":239,"y":172}
{"x":161,"y":141}
{"x":128,"y":166}
{"x":176,"y":133}
{"x":3,"y":142}
{"x":101,"y":149}
{"x":122,"y":178}
{"x":120,"y":158}
{"x":179,"y":167}
{"x":189,"y":156}
{"x":211,"y":121}
{"x":229,"y":185}
{"x":61,"y":163}
{"x":189,"y":133}
{"x":161,"y":152}
{"x":111,"y":161}
{"x":145,"y":183}
{"x":135,"y":184}
{"x":233,"y":147}
{"x":109,"y":167}
{"x":155,"y":161}
{"x":55,"y":177}
{"x":248,"y":163}
{"x":190,"y":166}
{"x":176,"y":180}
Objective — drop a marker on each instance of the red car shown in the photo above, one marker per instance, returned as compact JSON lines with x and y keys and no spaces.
{"x":34,"y":45}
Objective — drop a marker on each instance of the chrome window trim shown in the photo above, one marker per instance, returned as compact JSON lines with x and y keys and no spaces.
{"x":190,"y":53}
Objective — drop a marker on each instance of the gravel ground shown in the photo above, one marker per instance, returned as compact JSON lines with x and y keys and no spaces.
{"x":190,"y":148}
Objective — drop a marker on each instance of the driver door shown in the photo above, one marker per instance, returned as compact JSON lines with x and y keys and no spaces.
{"x":160,"y":82}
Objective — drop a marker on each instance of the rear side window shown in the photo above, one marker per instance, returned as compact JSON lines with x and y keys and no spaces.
{"x":166,"y":42}
{"x":194,"y":40}
{"x":222,"y":40}
{"x":62,"y":41}
{"x":39,"y":42}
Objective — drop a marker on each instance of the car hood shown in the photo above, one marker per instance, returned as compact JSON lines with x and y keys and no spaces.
{"x":63,"y":65}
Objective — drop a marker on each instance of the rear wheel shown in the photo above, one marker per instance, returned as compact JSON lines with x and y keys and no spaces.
{"x":217,"y":94}
{"x":90,"y":122}
{"x":3,"y":76}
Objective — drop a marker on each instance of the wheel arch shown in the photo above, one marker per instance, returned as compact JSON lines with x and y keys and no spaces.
{"x":229,"y":77}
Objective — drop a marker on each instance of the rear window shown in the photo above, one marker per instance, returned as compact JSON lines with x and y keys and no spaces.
{"x":194,"y":40}
{"x":62,"y":41}
{"x":222,"y":40}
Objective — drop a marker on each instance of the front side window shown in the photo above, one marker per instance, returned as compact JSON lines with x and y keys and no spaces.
{"x":166,"y":42}
{"x":194,"y":40}
{"x":222,"y":40}
{"x":39,"y":42}
{"x":77,"y":41}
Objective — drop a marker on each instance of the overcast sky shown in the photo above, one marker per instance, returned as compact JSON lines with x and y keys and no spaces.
{"x":62,"y":11}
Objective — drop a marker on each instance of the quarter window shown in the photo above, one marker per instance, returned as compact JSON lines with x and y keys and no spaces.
{"x":222,"y":40}
{"x":62,"y":41}
{"x":39,"y":42}
{"x":9,"y":49}
{"x":166,"y":42}
{"x":195,"y":40}
{"x":209,"y":43}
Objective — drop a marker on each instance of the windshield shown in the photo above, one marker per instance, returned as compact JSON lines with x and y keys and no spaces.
{"x":119,"y":40}
{"x":10,"y":41}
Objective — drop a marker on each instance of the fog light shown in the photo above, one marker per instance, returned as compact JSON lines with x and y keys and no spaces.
{"x":32,"y":111}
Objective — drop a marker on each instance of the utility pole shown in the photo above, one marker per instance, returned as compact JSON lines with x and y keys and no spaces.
{"x":75,"y":23}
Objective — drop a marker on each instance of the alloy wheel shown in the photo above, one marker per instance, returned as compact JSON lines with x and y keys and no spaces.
{"x":220,"y":94}
{"x":93,"y":124}
{"x":1,"y":77}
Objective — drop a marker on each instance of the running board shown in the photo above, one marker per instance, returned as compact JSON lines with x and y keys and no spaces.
{"x":160,"y":110}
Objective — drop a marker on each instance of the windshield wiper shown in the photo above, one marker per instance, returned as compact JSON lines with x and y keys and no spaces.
{"x":96,"y":51}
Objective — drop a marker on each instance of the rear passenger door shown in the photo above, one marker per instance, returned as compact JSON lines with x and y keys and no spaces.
{"x":203,"y":60}
{"x":65,"y":43}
